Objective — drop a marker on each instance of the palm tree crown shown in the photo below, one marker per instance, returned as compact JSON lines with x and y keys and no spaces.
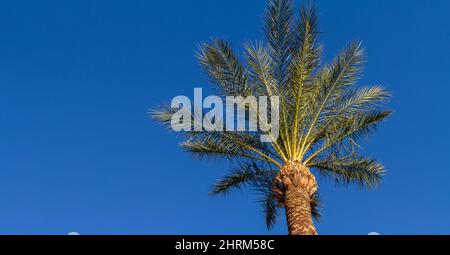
{"x":323,"y":114}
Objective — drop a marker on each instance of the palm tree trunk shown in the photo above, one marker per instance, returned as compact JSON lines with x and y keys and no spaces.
{"x":294,"y":187}
{"x":298,"y":212}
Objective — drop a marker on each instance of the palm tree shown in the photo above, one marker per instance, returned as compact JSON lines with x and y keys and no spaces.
{"x":322,"y":117}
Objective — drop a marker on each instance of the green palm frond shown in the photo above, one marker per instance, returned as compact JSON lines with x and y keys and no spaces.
{"x":366,"y":172}
{"x":251,"y":174}
{"x":333,"y":80}
{"x":263,"y":187}
{"x":224,"y":68}
{"x":305,"y":60}
{"x":164,"y":115}
{"x":219,"y":144}
{"x":230,"y":145}
{"x":343,"y":136}
{"x":354,"y":112}
{"x":316,"y":207}
{"x":247,"y":173}
{"x":261,"y":70}
{"x":278,"y":30}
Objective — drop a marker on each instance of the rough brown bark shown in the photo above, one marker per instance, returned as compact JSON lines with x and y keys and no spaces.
{"x":294,"y":187}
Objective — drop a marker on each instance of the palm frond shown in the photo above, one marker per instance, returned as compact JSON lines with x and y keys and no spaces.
{"x":366,"y":172}
{"x":261,"y":69}
{"x":344,"y":135}
{"x":229,"y":145}
{"x":263,"y":186}
{"x":278,"y":30}
{"x":247,"y":173}
{"x":250,"y":174}
{"x":316,"y":207}
{"x":353,"y":103}
{"x":305,"y":60}
{"x":224,"y":68}
{"x":345,"y":69}
{"x":334,"y":78}
{"x":164,"y":114}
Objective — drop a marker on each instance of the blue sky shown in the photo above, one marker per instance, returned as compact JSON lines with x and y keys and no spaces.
{"x":79,"y":153}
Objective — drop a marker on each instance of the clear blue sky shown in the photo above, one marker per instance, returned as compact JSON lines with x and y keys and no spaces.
{"x":79,"y":153}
